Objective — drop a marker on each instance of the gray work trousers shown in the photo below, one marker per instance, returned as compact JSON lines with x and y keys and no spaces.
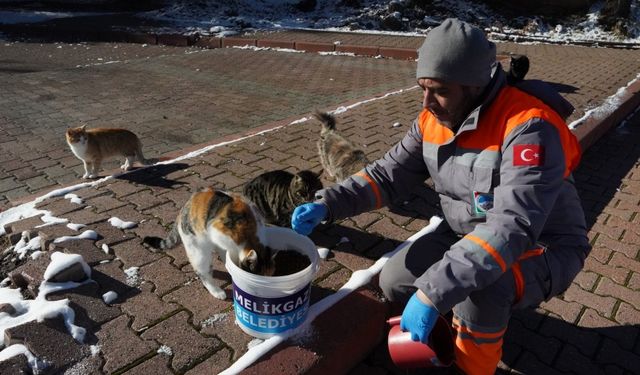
{"x":489,"y":309}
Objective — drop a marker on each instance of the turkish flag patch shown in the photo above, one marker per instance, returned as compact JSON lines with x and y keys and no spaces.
{"x":525,"y":155}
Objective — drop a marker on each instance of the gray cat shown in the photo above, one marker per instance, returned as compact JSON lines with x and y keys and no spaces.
{"x":339,"y":157}
{"x":277,"y":193}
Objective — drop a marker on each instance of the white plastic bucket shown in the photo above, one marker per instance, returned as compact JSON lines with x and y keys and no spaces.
{"x":268,"y":305}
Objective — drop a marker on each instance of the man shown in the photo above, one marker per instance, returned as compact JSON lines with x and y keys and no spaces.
{"x":514,"y":232}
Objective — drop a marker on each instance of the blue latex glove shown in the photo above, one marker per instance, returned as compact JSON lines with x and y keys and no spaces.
{"x":418,"y":318}
{"x":305,"y":217}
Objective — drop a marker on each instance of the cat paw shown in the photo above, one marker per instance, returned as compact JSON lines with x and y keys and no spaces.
{"x":219,"y":294}
{"x":86,"y":175}
{"x":92,"y":176}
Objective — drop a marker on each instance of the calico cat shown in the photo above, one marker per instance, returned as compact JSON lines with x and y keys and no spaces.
{"x":215,"y":221}
{"x":277,"y":193}
{"x":339,"y":157}
{"x":92,"y":146}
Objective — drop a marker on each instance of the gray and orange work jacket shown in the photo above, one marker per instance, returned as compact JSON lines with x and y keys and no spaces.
{"x":504,"y":182}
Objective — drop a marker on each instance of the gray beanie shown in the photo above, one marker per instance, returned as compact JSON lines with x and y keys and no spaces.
{"x":456,"y":52}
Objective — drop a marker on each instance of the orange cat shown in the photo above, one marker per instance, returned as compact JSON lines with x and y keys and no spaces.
{"x":92,"y":146}
{"x":214,"y":222}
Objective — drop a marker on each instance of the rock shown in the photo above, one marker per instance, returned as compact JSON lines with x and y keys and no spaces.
{"x":614,"y":15}
{"x":392,"y":22}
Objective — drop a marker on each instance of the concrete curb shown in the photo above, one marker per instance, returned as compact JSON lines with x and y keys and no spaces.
{"x":178,"y":40}
{"x":597,"y":125}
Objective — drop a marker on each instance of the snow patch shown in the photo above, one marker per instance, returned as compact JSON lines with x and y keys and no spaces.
{"x":116,"y":222}
{"x":109,"y":297}
{"x":27,"y":210}
{"x":73,"y":198}
{"x":164,"y":349}
{"x":61,"y":261}
{"x":133,"y":278}
{"x":75,"y":227}
{"x":609,"y":105}
{"x":26,"y":244}
{"x":323,"y":252}
{"x":86,"y":235}
{"x":213,"y":320}
{"x":106,"y":248}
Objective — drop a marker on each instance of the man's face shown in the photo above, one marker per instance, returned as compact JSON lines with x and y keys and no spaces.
{"x":450,"y":103}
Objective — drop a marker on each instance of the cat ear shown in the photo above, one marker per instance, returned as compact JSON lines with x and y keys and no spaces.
{"x":250,"y":261}
{"x":83,"y":127}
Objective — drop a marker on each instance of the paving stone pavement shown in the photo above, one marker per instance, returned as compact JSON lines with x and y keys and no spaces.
{"x":180,"y":97}
{"x":165,"y":321}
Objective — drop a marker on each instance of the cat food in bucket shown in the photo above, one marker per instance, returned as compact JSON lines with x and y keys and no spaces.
{"x":268,"y":305}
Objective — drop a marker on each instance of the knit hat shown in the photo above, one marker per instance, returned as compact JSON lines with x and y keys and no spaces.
{"x":456,"y":52}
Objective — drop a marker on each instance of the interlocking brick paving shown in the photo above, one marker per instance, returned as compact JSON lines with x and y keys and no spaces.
{"x":172,"y":97}
{"x":590,"y":328}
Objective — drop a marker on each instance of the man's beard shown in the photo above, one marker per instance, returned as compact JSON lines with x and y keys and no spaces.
{"x":467,"y":104}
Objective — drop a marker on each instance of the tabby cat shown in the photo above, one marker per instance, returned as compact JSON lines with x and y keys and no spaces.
{"x":92,"y":146}
{"x":339,"y":157}
{"x":277,"y":193}
{"x":215,"y":221}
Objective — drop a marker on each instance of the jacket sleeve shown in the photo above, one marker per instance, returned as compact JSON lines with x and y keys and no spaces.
{"x":390,"y":177}
{"x":523,"y":200}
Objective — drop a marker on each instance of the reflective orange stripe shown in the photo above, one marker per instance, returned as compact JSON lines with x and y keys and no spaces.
{"x":458,"y":325}
{"x":531,"y":253}
{"x":374,"y":187}
{"x":489,"y":249}
{"x":519,"y":280}
{"x":477,"y":358}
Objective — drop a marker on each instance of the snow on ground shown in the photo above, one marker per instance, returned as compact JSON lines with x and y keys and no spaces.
{"x":86,"y":235}
{"x":40,"y":308}
{"x":109,"y":296}
{"x":224,"y":18}
{"x":118,"y":223}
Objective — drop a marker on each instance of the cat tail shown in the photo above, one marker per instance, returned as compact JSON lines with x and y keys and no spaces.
{"x":172,"y":240}
{"x":328,"y":121}
{"x":141,"y":158}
